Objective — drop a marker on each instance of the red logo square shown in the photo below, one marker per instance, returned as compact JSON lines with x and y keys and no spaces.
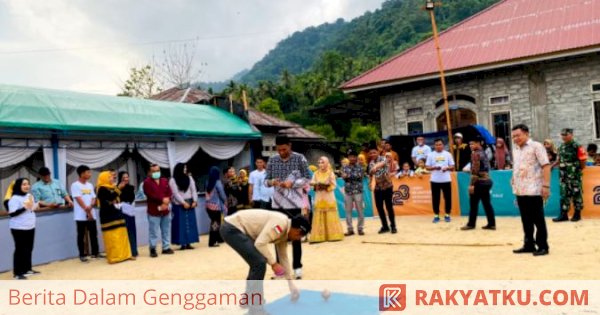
{"x":392,"y":297}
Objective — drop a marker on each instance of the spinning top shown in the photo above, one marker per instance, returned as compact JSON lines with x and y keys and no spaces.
{"x":326,"y":295}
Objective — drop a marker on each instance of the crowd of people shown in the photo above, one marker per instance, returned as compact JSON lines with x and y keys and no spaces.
{"x":284,"y":185}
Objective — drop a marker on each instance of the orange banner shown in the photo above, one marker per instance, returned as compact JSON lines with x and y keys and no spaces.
{"x":591,"y":192}
{"x":412,"y":196}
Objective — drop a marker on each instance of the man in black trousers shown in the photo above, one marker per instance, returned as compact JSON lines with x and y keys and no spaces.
{"x":287,"y":173}
{"x":531,"y":185}
{"x":481,"y":184}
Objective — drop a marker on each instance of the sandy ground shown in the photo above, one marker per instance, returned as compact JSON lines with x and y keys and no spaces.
{"x":428,"y":252}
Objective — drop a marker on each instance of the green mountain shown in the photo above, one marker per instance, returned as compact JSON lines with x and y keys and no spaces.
{"x":372,"y":37}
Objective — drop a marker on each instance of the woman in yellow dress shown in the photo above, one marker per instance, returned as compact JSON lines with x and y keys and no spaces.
{"x":112,"y":221}
{"x":326,"y":225}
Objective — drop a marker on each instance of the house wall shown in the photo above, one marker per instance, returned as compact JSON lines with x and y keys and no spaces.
{"x":546,"y":96}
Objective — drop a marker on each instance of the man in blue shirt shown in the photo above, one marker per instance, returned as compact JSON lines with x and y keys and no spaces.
{"x":49,"y":192}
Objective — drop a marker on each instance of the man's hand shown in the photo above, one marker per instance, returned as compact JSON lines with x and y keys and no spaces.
{"x":287,"y":184}
{"x":70,"y":204}
{"x":275,"y":183}
{"x":471,"y":190}
{"x":164,"y":207}
{"x":278,"y":269}
{"x":294,"y":292}
{"x":545,"y":193}
{"x":89,"y":216}
{"x":166,"y":200}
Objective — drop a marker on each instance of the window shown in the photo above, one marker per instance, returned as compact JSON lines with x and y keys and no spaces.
{"x":595,"y":87}
{"x":597,"y":118}
{"x":414,"y":111}
{"x":415,"y":127}
{"x":499,"y":100}
{"x":502,"y":126}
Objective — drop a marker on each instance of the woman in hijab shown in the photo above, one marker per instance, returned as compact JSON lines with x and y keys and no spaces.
{"x":127,"y":201}
{"x":502,"y":159}
{"x":21,"y":207}
{"x":216,"y":205}
{"x":326,"y":225}
{"x":112,"y":221}
{"x":185,"y":199}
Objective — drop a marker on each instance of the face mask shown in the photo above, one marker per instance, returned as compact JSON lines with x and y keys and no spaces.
{"x":156,"y":175}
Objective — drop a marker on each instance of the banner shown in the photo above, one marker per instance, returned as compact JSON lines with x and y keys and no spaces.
{"x":504,"y":201}
{"x":315,"y":297}
{"x":502,"y":197}
{"x":412,"y":196}
{"x":339,"y":196}
{"x":591,"y":192}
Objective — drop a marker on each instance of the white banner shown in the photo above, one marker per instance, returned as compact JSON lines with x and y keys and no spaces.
{"x":311,"y":297}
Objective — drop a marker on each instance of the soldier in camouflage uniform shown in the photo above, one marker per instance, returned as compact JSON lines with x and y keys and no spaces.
{"x":571,"y":162}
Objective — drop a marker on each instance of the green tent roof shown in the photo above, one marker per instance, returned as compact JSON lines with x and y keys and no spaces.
{"x":33,"y":108}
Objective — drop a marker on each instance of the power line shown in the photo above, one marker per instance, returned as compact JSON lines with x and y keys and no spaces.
{"x":149,"y":43}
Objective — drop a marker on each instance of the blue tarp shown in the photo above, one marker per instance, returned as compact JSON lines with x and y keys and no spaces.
{"x":311,"y":302}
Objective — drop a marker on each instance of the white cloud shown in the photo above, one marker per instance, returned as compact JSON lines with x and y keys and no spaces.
{"x":96,"y":42}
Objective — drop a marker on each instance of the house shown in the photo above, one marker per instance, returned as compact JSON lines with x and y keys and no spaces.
{"x":183,"y":95}
{"x":63,"y":130}
{"x":304,"y":141}
{"x":519,"y":61}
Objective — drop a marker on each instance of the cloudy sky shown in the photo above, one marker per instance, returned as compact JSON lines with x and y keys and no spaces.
{"x":89,"y":46}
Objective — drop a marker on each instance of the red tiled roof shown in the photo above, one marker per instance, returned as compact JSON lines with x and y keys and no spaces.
{"x":185,"y":95}
{"x":509,"y":31}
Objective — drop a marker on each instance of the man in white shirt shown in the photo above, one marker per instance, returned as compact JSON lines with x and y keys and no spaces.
{"x":259,"y":193}
{"x":84,"y":212}
{"x":440,"y":163}
{"x":421,"y":151}
{"x":531,"y":185}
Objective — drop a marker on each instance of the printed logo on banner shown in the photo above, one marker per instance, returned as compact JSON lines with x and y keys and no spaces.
{"x":392,"y":297}
{"x":401,"y":195}
{"x":597,"y":195}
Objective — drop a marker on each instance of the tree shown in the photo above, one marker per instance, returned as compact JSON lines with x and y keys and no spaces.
{"x":271,"y":107}
{"x":324,"y":130}
{"x":178,"y":66}
{"x":360,"y":133}
{"x":141,"y":83}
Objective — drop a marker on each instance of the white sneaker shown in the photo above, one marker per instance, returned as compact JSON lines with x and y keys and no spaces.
{"x":298,"y":273}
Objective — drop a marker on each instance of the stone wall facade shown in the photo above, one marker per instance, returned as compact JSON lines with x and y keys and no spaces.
{"x":547,"y":96}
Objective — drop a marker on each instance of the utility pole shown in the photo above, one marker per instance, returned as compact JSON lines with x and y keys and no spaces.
{"x":430,"y":7}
